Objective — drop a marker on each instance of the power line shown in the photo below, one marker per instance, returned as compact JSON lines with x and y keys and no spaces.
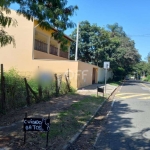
{"x":140,"y":35}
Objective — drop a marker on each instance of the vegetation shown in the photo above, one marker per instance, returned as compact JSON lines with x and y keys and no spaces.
{"x":49,"y":13}
{"x":147,"y":78}
{"x":141,"y":70}
{"x":16,"y":94}
{"x":97,"y":45}
{"x":69,"y":121}
{"x":112,"y":82}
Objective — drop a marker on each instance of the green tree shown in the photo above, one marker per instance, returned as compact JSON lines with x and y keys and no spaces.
{"x":92,"y":41}
{"x":5,"y":38}
{"x":97,"y":45}
{"x":116,"y":30}
{"x":141,"y":68}
{"x":148,"y":57}
{"x":126,"y":55}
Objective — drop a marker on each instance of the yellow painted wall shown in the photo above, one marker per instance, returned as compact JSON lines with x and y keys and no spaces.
{"x":23,"y":34}
{"x":85,"y":73}
{"x":47,"y":32}
{"x":20,"y":57}
{"x":42,"y":55}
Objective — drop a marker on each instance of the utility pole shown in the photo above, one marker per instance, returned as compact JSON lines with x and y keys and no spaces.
{"x":76,"y":53}
{"x":106,"y":76}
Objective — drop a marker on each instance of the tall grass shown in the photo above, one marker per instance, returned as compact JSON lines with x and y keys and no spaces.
{"x":15,"y":90}
{"x":147,"y":78}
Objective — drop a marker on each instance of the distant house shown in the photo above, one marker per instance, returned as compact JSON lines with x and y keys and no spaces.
{"x":35,"y":47}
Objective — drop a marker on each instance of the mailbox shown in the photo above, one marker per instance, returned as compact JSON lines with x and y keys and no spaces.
{"x":100,"y":89}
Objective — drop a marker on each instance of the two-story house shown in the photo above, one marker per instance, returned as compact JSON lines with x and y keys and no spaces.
{"x":36,"y":47}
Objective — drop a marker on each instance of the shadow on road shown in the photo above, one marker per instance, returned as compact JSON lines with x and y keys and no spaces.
{"x":119,"y":132}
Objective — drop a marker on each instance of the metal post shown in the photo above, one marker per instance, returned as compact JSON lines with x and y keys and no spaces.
{"x":47,"y":132}
{"x":105,"y":78}
{"x":25,"y":130}
{"x":76,"y":53}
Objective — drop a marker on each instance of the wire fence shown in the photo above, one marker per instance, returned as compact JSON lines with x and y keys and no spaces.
{"x":17,"y":91}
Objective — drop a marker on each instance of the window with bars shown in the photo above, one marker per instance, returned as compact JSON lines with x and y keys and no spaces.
{"x":53,"y":50}
{"x":40,"y":46}
{"x":63,"y":54}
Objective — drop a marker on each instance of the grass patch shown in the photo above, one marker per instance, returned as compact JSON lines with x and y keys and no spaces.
{"x":115,"y":83}
{"x":69,"y":121}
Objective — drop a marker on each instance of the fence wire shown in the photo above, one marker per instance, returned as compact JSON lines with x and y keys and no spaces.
{"x":13,"y":90}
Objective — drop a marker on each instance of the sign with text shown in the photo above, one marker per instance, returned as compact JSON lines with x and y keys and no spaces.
{"x":106,"y":65}
{"x":36,"y":124}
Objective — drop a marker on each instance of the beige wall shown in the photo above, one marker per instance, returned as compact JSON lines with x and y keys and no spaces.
{"x":101,"y":74}
{"x":85,"y":74}
{"x":20,"y":57}
{"x":42,"y":55}
{"x":23,"y":34}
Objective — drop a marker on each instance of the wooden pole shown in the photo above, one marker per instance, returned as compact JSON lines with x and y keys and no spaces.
{"x":27,"y":90}
{"x":2,"y":88}
{"x":36,"y":97}
{"x":47,"y":132}
{"x":56,"y":84}
{"x":39,"y":85}
{"x":68,"y":85}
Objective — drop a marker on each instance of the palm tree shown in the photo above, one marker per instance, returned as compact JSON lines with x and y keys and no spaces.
{"x":116,"y":30}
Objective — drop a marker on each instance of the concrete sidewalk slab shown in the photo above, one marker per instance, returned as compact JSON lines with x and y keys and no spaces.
{"x":92,"y":89}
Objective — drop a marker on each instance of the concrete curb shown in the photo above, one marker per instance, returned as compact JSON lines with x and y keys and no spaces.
{"x":76,"y":136}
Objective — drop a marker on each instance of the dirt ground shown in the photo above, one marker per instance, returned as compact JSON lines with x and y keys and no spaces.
{"x":87,"y":139}
{"x":11,"y":131}
{"x":11,"y":125}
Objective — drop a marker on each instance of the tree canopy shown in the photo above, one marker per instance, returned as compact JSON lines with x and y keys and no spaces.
{"x":97,"y":45}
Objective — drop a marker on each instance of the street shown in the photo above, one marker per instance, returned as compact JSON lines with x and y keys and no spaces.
{"x":128,"y":124}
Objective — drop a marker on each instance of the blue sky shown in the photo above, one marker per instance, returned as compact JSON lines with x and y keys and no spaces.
{"x":132,"y":15}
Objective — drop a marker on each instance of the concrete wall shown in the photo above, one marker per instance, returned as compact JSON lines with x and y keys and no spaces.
{"x":101,"y":74}
{"x":21,"y":57}
{"x":85,"y":74}
{"x":42,"y":55}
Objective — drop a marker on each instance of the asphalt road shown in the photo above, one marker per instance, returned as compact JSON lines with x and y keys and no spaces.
{"x":128,"y":124}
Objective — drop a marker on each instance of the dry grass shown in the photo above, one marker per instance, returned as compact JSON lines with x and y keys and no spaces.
{"x":69,"y":121}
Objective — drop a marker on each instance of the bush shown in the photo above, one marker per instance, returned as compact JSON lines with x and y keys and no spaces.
{"x":15,"y":90}
{"x":147,"y":78}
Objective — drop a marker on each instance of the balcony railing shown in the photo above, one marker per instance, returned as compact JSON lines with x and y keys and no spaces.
{"x":53,"y":50}
{"x":63,"y":54}
{"x":40,"y":46}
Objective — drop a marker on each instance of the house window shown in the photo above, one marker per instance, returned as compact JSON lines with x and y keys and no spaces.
{"x":63,"y":54}
{"x":40,"y":46}
{"x":53,"y":50}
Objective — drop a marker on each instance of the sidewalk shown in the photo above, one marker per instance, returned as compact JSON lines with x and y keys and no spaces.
{"x":92,"y":89}
{"x":11,"y":133}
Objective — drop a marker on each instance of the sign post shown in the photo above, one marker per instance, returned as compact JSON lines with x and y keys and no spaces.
{"x":106,"y":67}
{"x":36,"y":124}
